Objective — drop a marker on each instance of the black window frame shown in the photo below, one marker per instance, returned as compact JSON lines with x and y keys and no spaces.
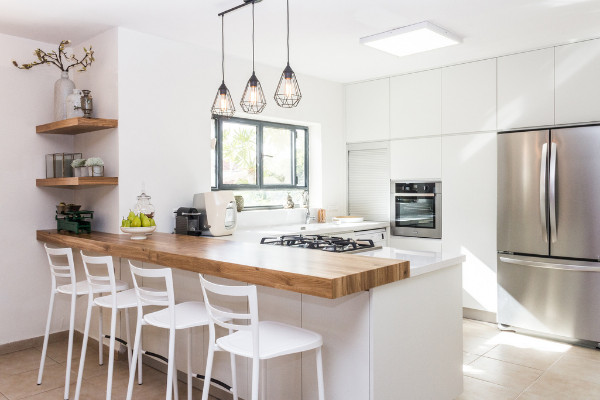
{"x":260,"y":125}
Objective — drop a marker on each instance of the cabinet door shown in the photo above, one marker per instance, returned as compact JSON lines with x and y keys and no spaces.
{"x":526,"y":89}
{"x":368,"y":111}
{"x":578,"y":82}
{"x":416,"y":104}
{"x":469,"y":217}
{"x":415,"y":159}
{"x":469,"y":97}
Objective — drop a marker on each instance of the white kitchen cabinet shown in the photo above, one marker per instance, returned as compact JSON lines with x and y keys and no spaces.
{"x":469,"y":213}
{"x":415,"y":243}
{"x":416,"y":104}
{"x":416,"y":158}
{"x":578,"y":82}
{"x":469,"y":97}
{"x":368,"y":111}
{"x":526,"y":89}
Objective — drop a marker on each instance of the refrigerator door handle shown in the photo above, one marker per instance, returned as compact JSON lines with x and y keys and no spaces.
{"x":537,"y":264}
{"x":552,"y":193}
{"x":543,"y":190}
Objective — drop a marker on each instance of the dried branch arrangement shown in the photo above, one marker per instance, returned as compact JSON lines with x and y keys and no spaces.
{"x":60,"y":59}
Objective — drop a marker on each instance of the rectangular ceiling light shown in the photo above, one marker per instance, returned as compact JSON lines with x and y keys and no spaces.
{"x":412,"y":39}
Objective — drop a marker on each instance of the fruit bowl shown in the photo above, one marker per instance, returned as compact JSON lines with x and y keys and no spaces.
{"x":138,"y":233}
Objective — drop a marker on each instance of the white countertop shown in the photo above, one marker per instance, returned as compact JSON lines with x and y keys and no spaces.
{"x":421,"y":262}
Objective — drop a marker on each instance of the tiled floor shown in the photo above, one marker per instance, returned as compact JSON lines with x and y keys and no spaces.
{"x":19,"y":370}
{"x":504,"y":365}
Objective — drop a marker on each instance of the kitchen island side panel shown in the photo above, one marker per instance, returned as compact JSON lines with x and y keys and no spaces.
{"x":416,"y":337}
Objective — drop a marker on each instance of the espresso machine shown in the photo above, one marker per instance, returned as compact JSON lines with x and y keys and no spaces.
{"x":187,"y":222}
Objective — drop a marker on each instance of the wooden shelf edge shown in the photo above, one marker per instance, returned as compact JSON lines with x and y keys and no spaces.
{"x":74,"y":126}
{"x":77,"y":182}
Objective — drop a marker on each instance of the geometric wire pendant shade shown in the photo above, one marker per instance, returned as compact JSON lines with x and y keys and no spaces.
{"x":223,"y":104}
{"x":288,"y":93}
{"x":253,"y":100}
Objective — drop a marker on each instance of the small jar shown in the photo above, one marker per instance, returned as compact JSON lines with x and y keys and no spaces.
{"x":74,"y":104}
{"x":143,"y":204}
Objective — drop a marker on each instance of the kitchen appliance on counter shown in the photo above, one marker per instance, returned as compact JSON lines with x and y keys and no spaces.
{"x":416,"y":209}
{"x":187,"y":222}
{"x":74,"y":221}
{"x":218,"y":212}
{"x":324,"y":243}
{"x":549,"y":231}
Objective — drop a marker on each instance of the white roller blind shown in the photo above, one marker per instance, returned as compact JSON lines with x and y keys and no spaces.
{"x":369,"y":184}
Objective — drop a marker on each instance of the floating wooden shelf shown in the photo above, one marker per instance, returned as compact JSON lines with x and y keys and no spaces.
{"x":74,"y":183}
{"x":73,"y":126}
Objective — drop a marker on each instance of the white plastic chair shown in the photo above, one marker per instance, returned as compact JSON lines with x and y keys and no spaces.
{"x":120,"y":298}
{"x":258,"y":340}
{"x":181,"y":316}
{"x":66,"y":272}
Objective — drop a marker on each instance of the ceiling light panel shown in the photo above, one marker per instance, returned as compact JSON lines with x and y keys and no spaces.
{"x":412,"y":39}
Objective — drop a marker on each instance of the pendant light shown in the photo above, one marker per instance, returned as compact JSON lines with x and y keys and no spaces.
{"x":223,"y":104}
{"x":288,"y":93}
{"x":253,"y":100}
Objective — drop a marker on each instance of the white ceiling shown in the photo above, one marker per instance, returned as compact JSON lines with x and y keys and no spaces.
{"x":324,"y":33}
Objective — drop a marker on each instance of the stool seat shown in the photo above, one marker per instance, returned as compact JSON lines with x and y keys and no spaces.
{"x":275,"y":339}
{"x":82,"y":288}
{"x":187,"y":315}
{"x":125,"y":299}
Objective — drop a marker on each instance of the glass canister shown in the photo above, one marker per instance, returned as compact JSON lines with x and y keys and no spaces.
{"x":143,"y":204}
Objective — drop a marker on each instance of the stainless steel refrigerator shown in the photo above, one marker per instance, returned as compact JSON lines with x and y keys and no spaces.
{"x":549,"y":231}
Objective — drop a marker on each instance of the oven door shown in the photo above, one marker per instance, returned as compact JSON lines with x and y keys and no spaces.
{"x":417,"y":214}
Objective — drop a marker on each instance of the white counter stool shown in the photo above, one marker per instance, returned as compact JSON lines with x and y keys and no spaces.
{"x":67,"y":272}
{"x":120,"y":298}
{"x":181,"y":316}
{"x":258,"y":340}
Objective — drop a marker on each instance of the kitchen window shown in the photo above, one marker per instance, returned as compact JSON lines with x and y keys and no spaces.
{"x":262,"y":161}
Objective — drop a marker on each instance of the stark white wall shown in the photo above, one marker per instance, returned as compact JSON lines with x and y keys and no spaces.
{"x":26,"y":100}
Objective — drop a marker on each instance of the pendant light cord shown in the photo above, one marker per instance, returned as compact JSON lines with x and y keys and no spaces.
{"x":223,"y":46}
{"x":288,"y":30}
{"x":252,"y":36}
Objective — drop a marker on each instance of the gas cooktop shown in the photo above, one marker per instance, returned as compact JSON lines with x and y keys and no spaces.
{"x":325,"y":243}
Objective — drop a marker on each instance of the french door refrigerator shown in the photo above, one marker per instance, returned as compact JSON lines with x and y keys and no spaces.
{"x":549,"y":231}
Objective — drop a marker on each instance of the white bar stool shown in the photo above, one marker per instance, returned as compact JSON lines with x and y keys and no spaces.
{"x":120,"y":298}
{"x":66,"y":272}
{"x":258,"y":340}
{"x":181,"y":316}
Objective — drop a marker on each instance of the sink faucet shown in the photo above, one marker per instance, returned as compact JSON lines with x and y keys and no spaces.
{"x":306,"y":201}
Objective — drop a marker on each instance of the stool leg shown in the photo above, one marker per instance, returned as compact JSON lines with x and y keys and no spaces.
{"x":100,"y":337}
{"x":171,"y":358}
{"x":70,"y":348}
{"x":140,"y":362}
{"x":48,"y":322}
{"x":263,"y":379}
{"x":209,"y":365}
{"x":86,"y":332}
{"x":127,"y":331}
{"x":320,"y":375}
{"x":233,"y":373}
{"x":136,"y":351}
{"x":255,"y":376}
{"x":111,"y":354}
{"x":189,"y":364}
{"x":175,"y":380}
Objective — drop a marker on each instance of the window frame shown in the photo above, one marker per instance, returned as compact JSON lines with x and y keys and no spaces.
{"x":260,"y":185}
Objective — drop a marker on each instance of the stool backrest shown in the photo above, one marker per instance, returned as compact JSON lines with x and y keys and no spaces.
{"x":98,"y":281}
{"x":151,"y":297}
{"x":61,"y":271}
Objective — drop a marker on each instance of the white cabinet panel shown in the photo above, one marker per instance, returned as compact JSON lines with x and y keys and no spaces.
{"x":526,"y":89}
{"x":469,"y":213}
{"x":578,"y":82}
{"x":416,"y":104}
{"x":416,"y":158}
{"x":368,"y":111}
{"x":416,"y":244}
{"x":469,"y":97}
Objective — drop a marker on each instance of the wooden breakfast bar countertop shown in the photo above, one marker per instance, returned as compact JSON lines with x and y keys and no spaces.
{"x":316,"y":273}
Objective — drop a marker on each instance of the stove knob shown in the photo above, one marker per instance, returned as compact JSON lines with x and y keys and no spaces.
{"x":426,"y":188}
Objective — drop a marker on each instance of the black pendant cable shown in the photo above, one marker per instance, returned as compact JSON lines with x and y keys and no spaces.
{"x":288,"y":93}
{"x":253,"y":100}
{"x":223,"y":104}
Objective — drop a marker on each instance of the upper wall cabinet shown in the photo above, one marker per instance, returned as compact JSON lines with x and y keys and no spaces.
{"x":526,"y":89}
{"x":368,"y":111}
{"x":578,"y":82}
{"x":416,"y":104}
{"x":469,"y":97}
{"x":419,"y":158}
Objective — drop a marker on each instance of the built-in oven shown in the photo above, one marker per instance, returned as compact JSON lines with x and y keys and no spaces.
{"x":416,"y":209}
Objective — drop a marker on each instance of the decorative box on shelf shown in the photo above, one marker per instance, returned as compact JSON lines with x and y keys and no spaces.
{"x":58,"y":165}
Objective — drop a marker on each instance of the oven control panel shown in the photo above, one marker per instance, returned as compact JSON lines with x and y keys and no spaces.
{"x":421,"y":187}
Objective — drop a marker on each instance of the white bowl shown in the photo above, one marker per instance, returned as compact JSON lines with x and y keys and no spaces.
{"x":138,"y":233}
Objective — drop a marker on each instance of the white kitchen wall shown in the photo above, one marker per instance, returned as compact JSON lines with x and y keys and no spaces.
{"x":26,"y":100}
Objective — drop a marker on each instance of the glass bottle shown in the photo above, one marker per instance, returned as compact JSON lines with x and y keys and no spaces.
{"x":143,"y":204}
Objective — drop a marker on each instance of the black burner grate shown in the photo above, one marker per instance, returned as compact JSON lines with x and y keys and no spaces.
{"x":319,"y":242}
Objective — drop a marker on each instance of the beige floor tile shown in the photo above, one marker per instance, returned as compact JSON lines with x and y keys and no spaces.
{"x":584,"y":352}
{"x":502,"y":373}
{"x":21,"y":361}
{"x":160,"y":392}
{"x":468,"y":358}
{"x":87,"y":393}
{"x":577,"y":367}
{"x":481,"y":329}
{"x":477,"y":345}
{"x":151,"y":380}
{"x":92,"y":368}
{"x":528,"y":357}
{"x":25,"y":384}
{"x":475,"y":389}
{"x":2,"y":397}
{"x":58,"y":351}
{"x":554,"y":386}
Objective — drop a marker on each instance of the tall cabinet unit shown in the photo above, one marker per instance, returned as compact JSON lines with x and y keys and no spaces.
{"x":368,"y":111}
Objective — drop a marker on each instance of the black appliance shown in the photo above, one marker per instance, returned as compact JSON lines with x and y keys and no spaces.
{"x":187,"y":222}
{"x":416,"y":209}
{"x":325,"y":243}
